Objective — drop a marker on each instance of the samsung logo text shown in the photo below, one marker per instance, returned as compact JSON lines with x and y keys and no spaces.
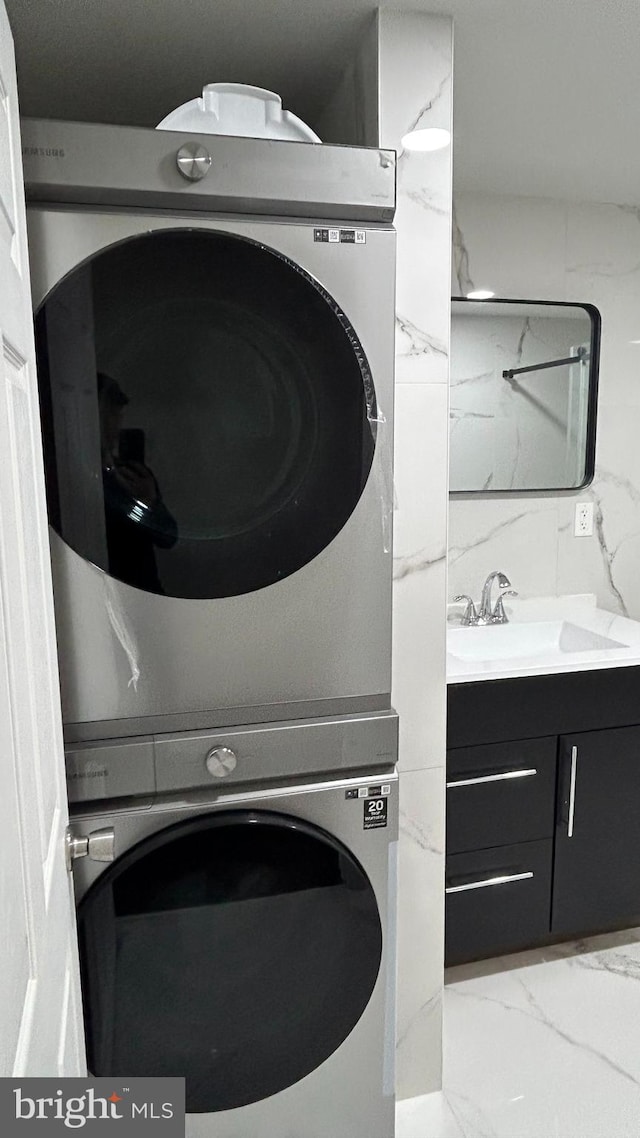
{"x":43,"y":152}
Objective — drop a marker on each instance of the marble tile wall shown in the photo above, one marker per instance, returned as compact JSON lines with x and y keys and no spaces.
{"x":401,"y":79}
{"x":552,"y":250}
{"x":415,"y":76}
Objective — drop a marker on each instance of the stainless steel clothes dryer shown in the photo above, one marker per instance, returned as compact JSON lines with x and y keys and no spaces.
{"x":215,"y":356}
{"x":244,"y":937}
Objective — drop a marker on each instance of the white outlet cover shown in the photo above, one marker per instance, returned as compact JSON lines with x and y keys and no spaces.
{"x":583,"y":526}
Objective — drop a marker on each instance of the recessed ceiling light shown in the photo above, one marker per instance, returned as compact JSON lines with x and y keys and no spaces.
{"x":431,"y":138}
{"x":634,"y":341}
{"x":480,"y":294}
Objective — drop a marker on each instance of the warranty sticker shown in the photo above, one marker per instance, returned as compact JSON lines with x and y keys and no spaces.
{"x":375,"y":813}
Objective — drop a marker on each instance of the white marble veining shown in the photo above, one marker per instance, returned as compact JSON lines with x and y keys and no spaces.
{"x":517,"y":535}
{"x":544,"y":1044}
{"x":514,"y":246}
{"x":415,"y":91}
{"x":551,"y":250}
{"x":544,"y":636}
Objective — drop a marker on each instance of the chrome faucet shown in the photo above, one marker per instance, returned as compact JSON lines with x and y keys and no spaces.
{"x":497,"y":615}
{"x":486,"y":614}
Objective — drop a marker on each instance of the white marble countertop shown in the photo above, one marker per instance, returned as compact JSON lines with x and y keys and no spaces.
{"x":579,"y":611}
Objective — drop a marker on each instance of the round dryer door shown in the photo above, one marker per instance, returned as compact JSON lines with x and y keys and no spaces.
{"x":237,"y":949}
{"x":208,"y":413}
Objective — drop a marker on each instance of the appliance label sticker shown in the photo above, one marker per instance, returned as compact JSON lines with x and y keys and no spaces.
{"x":375,"y":813}
{"x":342,"y":236}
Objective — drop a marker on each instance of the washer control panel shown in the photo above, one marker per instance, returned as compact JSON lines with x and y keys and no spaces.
{"x":269,"y":751}
{"x":152,"y":765}
{"x":221,"y":761}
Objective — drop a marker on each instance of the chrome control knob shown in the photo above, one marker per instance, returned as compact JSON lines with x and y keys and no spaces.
{"x":194,"y":162}
{"x":99,"y":845}
{"x":221,"y":761}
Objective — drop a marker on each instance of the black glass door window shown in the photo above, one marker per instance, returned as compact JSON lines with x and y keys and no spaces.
{"x":237,"y":950}
{"x":207,"y":413}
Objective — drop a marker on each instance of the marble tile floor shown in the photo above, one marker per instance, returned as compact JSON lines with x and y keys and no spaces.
{"x":543,"y":1044}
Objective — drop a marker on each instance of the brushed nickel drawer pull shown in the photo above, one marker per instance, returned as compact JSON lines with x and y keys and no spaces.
{"x":572,"y":790}
{"x":492,"y":777}
{"x":489,"y":881}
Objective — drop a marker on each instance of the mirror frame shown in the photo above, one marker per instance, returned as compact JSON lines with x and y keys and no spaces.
{"x":592,"y":408}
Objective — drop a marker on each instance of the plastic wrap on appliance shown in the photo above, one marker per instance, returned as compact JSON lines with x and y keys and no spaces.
{"x":121,"y":629}
{"x":383,"y":461}
{"x":383,"y":466}
{"x":383,"y":473}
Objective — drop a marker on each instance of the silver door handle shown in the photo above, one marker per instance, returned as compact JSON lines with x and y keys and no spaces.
{"x":489,"y":881}
{"x":99,"y":845}
{"x":525,"y":773}
{"x":572,"y":790}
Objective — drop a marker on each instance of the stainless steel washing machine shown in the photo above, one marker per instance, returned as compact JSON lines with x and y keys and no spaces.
{"x":243,"y":937}
{"x":215,"y":339}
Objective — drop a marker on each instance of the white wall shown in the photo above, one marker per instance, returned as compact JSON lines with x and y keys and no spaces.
{"x":552,"y":250}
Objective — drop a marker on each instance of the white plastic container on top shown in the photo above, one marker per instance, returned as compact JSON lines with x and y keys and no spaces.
{"x":234,"y":108}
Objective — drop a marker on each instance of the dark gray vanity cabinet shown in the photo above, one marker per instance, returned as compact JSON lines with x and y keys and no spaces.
{"x":596,"y":880}
{"x":533,"y":858}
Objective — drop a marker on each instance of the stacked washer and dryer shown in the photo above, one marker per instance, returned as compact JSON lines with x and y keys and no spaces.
{"x":215,"y":339}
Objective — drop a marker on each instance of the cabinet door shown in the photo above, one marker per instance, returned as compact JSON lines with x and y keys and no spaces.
{"x":597,"y":858}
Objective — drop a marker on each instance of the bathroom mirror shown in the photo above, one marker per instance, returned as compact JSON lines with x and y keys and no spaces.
{"x":523,"y":393}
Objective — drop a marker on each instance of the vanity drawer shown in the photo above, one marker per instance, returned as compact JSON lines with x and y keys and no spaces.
{"x":497,"y":900}
{"x":500,"y":794}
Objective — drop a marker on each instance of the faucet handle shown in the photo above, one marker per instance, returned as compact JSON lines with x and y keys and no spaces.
{"x":499,"y":616}
{"x":469,"y":615}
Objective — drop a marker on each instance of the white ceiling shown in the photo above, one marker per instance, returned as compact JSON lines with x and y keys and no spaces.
{"x":546,"y":93}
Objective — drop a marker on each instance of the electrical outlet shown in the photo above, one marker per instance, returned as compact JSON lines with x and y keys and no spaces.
{"x":584,"y":519}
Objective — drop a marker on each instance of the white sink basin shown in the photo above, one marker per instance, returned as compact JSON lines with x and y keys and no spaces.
{"x":552,"y":639}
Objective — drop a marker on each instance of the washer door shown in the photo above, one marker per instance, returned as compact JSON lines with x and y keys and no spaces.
{"x":208,"y":413}
{"x":238,"y":949}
